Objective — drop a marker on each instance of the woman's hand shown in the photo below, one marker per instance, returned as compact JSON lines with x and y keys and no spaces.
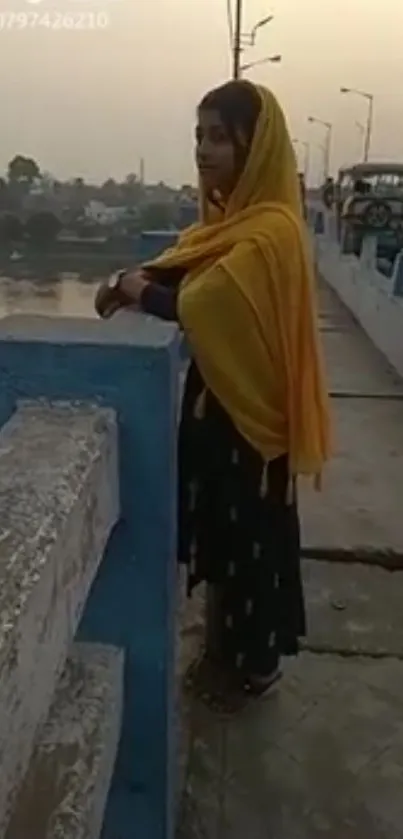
{"x":111,"y":297}
{"x":106,"y":303}
{"x":133,"y":284}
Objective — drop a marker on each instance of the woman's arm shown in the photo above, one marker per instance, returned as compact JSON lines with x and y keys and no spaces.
{"x":155,"y":291}
{"x":160,"y":301}
{"x":143,"y":288}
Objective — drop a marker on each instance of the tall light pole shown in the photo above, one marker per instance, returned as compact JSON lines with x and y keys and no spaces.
{"x":307,"y":154}
{"x":242,"y":40}
{"x":272,"y":59}
{"x":328,"y":142}
{"x":230,"y":24}
{"x":237,"y":40}
{"x":361,"y":130}
{"x":370,"y":118}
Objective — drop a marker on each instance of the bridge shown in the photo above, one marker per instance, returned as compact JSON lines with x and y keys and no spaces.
{"x":87,"y":605}
{"x":324,"y":757}
{"x":94,"y":738}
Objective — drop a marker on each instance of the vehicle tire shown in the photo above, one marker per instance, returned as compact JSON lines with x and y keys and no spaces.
{"x":377,"y":216}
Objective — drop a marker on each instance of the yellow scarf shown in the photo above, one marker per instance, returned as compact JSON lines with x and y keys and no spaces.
{"x":247,"y":304}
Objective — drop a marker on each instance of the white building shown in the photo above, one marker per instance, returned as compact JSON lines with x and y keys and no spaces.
{"x":97,"y":211}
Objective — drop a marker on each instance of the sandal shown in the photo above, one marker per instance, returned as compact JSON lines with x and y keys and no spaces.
{"x":260,"y":686}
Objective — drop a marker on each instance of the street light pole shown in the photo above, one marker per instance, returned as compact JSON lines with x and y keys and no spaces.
{"x":327,"y":152}
{"x":370,"y":118}
{"x":361,"y":129}
{"x":368,"y":132}
{"x":272,"y":59}
{"x":263,"y":22}
{"x":246,"y":40}
{"x":306,"y":159}
{"x":328,"y":143}
{"x":307,"y":154}
{"x":237,"y":40}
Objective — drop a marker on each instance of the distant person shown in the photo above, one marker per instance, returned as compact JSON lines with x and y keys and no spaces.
{"x":360,"y":188}
{"x":328,"y":193}
{"x":255,"y":408}
{"x":302,"y":186}
{"x":367,"y":188}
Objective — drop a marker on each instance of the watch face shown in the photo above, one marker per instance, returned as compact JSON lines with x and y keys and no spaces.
{"x":114,"y":280}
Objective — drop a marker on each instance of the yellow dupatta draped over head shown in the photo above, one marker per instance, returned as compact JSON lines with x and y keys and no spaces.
{"x":247,"y":303}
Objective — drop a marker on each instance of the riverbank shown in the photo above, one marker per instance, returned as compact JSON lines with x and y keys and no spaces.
{"x":52,"y":264}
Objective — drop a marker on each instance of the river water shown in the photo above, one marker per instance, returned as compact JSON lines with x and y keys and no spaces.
{"x":65,"y":295}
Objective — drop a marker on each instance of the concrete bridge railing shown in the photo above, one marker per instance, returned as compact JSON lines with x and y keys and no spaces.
{"x":87,"y":544}
{"x":375,"y":300}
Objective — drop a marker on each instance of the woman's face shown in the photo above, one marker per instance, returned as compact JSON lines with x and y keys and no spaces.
{"x":215,"y":154}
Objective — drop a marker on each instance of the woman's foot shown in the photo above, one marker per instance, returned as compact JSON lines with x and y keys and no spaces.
{"x":218,"y":688}
{"x":260,"y":686}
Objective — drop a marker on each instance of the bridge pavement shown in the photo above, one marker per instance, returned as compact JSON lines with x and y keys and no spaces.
{"x":324,"y":756}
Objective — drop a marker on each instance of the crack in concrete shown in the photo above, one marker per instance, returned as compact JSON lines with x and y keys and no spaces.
{"x":349,"y":652}
{"x":386,"y":558}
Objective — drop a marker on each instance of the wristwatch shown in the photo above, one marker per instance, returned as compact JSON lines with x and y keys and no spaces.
{"x":115,"y":279}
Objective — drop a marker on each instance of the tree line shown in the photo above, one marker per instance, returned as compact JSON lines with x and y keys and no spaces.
{"x":35,"y":205}
{"x":40,"y":229}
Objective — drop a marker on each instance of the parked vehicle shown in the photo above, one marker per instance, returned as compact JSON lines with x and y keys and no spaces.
{"x":370,"y":200}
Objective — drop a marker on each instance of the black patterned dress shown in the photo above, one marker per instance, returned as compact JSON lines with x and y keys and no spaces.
{"x":238,"y":527}
{"x":238,"y":533}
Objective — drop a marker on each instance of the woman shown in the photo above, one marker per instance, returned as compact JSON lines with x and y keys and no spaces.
{"x":255,"y":410}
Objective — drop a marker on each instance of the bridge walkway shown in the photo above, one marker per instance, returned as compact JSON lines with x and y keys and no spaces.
{"x":324,"y":755}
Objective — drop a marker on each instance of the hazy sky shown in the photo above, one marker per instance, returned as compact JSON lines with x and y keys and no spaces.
{"x":91,"y":103}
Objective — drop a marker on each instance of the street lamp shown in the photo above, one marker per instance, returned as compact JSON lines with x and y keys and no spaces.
{"x":307,"y":153}
{"x":368,"y":130}
{"x":360,"y":129}
{"x":243,"y":40}
{"x":328,"y":142}
{"x":272,"y":59}
{"x":249,"y":39}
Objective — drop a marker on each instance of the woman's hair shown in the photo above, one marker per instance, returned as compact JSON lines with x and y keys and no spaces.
{"x":238,"y":104}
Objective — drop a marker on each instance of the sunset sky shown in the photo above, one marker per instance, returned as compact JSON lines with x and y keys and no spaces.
{"x":91,"y":103}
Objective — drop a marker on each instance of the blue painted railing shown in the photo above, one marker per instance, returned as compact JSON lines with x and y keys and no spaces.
{"x":132,"y":366}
